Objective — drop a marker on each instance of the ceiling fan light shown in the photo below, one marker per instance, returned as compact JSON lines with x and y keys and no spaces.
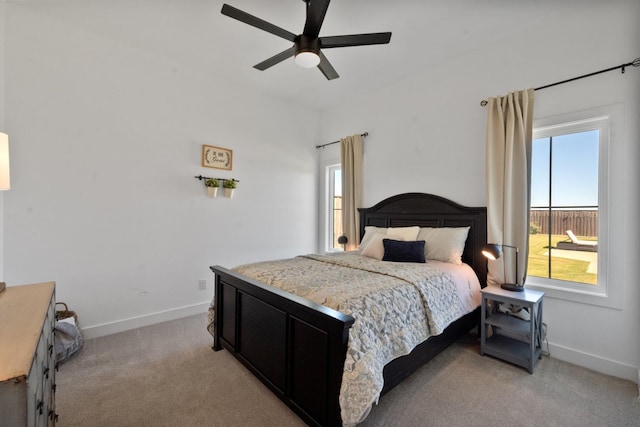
{"x":307,"y":59}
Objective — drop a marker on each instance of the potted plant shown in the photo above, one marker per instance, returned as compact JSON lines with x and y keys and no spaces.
{"x":212,"y":185}
{"x":229,"y":185}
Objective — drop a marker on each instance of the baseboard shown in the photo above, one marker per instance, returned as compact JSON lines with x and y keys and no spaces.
{"x":145,"y":320}
{"x":595,"y":363}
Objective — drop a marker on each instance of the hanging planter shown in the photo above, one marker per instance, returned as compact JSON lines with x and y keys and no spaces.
{"x":212,"y":185}
{"x":229,"y":186}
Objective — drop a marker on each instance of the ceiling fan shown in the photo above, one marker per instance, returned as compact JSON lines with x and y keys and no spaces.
{"x":307,"y":47}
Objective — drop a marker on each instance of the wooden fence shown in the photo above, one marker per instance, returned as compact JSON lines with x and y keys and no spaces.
{"x":337,"y":221}
{"x":583,"y":223}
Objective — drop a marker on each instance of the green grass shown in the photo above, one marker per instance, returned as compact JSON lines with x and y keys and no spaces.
{"x":562,"y":268}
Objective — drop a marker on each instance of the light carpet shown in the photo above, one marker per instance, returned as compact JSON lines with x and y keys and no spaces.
{"x":167,"y":375}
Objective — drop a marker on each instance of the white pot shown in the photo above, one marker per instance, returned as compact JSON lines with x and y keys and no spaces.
{"x":212,"y":191}
{"x":228,"y":192}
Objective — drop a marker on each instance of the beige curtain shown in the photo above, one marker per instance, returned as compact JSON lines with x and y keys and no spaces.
{"x":508,"y":166}
{"x":351,"y":164}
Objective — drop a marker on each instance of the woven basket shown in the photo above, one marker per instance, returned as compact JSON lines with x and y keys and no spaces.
{"x":63,"y":314}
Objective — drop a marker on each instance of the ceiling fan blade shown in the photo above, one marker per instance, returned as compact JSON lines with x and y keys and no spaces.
{"x":234,"y":13}
{"x":326,"y":68}
{"x":316,"y":11}
{"x":276,"y":59}
{"x":354,"y":40}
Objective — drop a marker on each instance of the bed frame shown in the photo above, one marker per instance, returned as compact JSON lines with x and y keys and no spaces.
{"x":297,"y":348}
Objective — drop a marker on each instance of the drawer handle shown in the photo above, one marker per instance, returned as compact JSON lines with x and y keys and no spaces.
{"x":39,"y":406}
{"x":46,"y":373}
{"x":53,"y":416}
{"x":53,"y":387}
{"x":50,"y":350}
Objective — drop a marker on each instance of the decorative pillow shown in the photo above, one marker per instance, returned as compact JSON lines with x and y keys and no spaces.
{"x":400,"y":251}
{"x":444,"y":244}
{"x":374,"y":248}
{"x":369,"y":232}
{"x":403,"y":233}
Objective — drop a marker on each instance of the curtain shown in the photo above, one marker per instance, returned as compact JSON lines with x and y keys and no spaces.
{"x":351,"y":165}
{"x":508,"y":168}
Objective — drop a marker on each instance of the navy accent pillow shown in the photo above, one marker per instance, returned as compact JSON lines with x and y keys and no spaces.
{"x":401,"y":251}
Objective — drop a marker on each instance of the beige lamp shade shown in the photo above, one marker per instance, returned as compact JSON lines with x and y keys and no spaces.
{"x":5,"y":178}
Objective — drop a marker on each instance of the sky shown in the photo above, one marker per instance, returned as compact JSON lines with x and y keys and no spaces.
{"x":338,"y":183}
{"x":574,"y":170}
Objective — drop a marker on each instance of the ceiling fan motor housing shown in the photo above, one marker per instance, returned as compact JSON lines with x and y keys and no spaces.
{"x":305,"y":43}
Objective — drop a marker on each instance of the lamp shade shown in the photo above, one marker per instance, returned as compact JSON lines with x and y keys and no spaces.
{"x":492,"y":251}
{"x":5,"y":177}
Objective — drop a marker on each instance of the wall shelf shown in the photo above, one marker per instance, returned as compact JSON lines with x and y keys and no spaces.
{"x":222,"y":180}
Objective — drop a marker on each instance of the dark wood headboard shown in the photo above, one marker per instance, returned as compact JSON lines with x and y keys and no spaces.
{"x":427,"y":210}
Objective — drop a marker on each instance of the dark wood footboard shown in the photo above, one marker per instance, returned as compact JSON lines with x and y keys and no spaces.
{"x":294,"y":346}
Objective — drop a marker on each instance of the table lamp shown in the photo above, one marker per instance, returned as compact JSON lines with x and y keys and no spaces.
{"x":494,"y":251}
{"x":343,"y":241}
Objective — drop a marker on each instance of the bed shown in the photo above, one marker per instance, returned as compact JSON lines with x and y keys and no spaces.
{"x":298,"y":347}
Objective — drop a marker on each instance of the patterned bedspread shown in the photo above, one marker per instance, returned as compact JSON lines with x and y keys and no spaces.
{"x":396,"y":306}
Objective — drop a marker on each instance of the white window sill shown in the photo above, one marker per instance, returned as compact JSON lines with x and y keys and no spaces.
{"x":554,"y":289}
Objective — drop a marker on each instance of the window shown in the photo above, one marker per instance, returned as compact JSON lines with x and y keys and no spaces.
{"x":334,"y":202}
{"x":568,"y":205}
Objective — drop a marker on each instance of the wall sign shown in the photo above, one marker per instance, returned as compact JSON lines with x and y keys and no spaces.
{"x":216,"y":157}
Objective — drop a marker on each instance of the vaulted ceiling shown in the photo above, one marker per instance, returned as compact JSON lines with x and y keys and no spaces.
{"x":425,"y":34}
{"x":194,"y":32}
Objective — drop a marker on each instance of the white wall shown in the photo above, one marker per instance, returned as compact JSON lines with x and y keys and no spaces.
{"x":2,"y":37}
{"x":106,"y":140}
{"x":427,"y":133}
{"x":2,"y":129}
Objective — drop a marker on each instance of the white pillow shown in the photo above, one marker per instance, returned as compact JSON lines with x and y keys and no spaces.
{"x":369,"y":232}
{"x":407,"y":234}
{"x":374,"y":247}
{"x":444,"y":244}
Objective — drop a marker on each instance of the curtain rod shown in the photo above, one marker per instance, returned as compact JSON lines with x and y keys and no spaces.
{"x":364,"y":135}
{"x":635,"y":63}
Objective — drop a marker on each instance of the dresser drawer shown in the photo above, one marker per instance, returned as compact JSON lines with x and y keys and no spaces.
{"x":27,"y":356}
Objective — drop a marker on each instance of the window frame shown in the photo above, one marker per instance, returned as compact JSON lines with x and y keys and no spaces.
{"x":598,"y":119}
{"x":330,"y":180}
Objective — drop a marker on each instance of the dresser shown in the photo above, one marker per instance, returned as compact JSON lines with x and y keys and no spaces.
{"x":27,"y":356}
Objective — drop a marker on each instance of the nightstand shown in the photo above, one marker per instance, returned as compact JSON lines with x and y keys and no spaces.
{"x":515,"y":340}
